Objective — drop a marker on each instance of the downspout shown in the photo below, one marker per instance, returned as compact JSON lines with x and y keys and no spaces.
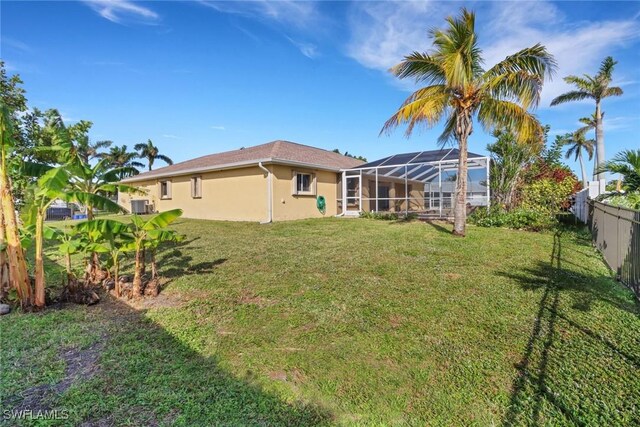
{"x":269,"y":196}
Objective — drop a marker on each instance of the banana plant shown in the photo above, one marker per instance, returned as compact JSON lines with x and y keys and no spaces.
{"x":51,"y":186}
{"x":155,"y":238}
{"x":71,"y":242}
{"x":111,"y":237}
{"x":148,"y":231}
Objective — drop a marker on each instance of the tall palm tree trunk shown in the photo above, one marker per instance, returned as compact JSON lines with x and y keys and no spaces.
{"x":585,"y":181}
{"x":464,"y":128}
{"x":39,"y":261}
{"x":5,"y":284}
{"x":18,"y":275}
{"x":600,"y":156}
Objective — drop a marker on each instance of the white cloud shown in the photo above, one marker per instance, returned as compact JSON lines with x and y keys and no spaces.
{"x":307,"y":49}
{"x":167,"y":135}
{"x":296,"y":13}
{"x":16,"y":44}
{"x":578,"y":47}
{"x":383,"y":33}
{"x":120,"y":10}
{"x":218,"y":127}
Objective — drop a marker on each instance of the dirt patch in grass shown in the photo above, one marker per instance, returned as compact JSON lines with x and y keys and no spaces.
{"x":81,"y":365}
{"x":248,"y":297}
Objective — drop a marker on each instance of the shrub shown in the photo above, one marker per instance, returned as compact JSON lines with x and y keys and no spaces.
{"x":548,"y":195}
{"x":388,"y":216}
{"x":630,"y":200}
{"x":520,"y":219}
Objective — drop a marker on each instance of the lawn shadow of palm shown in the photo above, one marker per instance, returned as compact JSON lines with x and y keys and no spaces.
{"x":143,"y":374}
{"x":532,"y":389}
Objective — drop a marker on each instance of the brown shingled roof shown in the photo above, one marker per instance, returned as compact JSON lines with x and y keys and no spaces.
{"x":275,"y":152}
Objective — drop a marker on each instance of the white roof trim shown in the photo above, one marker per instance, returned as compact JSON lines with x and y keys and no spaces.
{"x":138,"y":178}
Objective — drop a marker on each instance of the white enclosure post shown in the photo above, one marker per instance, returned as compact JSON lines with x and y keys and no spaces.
{"x":377,"y":208}
{"x":406,"y":191}
{"x":440,"y":187}
{"x":360,"y":195}
{"x":344,"y":192}
{"x":488,"y":189}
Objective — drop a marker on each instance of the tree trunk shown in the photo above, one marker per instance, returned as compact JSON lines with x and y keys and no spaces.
{"x":154,"y":270}
{"x":39,"y":261}
{"x":137,"y":275}
{"x":67,"y":262}
{"x":600,"y":156}
{"x":5,"y":284}
{"x":463,"y":130}
{"x":18,"y":275}
{"x":116,"y":276}
{"x":585,"y":182}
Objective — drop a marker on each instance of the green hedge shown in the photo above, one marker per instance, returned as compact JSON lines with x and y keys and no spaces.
{"x":521,"y":219}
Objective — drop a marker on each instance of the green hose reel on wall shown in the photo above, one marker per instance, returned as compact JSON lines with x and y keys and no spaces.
{"x":321,"y":204}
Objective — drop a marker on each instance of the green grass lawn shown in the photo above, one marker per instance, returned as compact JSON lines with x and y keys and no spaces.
{"x":348,"y":322}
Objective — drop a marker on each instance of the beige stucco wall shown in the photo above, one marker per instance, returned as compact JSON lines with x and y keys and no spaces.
{"x":241,"y":195}
{"x":287,"y":206}
{"x":231,"y":195}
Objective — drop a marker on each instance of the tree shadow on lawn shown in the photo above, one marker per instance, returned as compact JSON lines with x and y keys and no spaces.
{"x":173,"y":262}
{"x":438,"y":227}
{"x":559,"y":344}
{"x":146,"y":375}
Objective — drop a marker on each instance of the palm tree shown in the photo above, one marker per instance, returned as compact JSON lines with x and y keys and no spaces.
{"x":578,"y":144}
{"x":627,"y":164}
{"x":459,"y":89}
{"x":121,"y":157}
{"x":596,"y":88}
{"x":589,"y":125}
{"x":151,"y":153}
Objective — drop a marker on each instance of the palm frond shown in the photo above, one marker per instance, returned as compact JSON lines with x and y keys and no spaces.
{"x":448,"y":134}
{"x":519,"y":77}
{"x":420,"y":66}
{"x":574,"y":95}
{"x":164,"y":158}
{"x":498,"y":114}
{"x":612,"y":91}
{"x":457,"y":50}
{"x":606,"y":69}
{"x":584,"y":84}
{"x":425,"y":106}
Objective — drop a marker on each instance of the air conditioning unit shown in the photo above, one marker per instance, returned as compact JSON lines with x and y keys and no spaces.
{"x":139,"y":207}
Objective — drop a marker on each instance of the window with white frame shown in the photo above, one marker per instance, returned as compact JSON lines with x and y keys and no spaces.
{"x":196,"y":187}
{"x":304,"y":183}
{"x":165,"y":189}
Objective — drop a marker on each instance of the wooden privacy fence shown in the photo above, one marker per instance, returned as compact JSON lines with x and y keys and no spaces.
{"x":616,"y":234}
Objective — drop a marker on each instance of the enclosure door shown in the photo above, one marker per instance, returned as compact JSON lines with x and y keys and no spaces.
{"x":352,"y":184}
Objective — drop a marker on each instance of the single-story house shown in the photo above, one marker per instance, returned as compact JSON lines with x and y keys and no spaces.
{"x":283,"y":180}
{"x":277,"y":181}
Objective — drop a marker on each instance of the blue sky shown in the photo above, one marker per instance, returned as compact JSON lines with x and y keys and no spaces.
{"x":202,"y":77}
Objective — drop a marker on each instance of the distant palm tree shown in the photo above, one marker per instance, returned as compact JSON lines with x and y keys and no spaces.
{"x":589,"y":125}
{"x":627,"y":164}
{"x":596,"y":88}
{"x":578,"y":144}
{"x":459,"y":89}
{"x":151,"y":153}
{"x":121,"y":157}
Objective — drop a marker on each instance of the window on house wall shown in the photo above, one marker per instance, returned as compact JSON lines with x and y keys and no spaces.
{"x":196,"y":187}
{"x":165,"y":189}
{"x":304,"y":183}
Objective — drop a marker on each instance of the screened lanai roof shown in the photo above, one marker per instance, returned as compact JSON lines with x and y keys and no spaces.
{"x":419,"y":157}
{"x":422,"y":165}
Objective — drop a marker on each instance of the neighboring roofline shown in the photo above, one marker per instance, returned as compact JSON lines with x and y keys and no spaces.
{"x":235,"y":165}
